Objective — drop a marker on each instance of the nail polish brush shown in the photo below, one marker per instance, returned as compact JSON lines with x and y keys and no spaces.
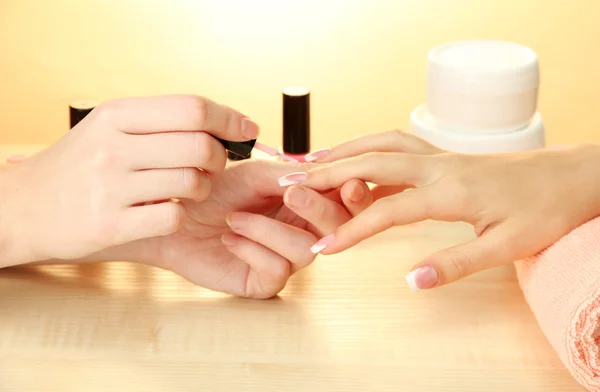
{"x":244,"y":149}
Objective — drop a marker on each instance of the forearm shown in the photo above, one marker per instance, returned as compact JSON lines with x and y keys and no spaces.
{"x":143,"y":251}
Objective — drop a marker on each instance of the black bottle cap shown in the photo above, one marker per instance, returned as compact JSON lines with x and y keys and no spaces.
{"x":296,"y":120}
{"x":241,"y":149}
{"x":78,"y":110}
{"x":234,"y":157}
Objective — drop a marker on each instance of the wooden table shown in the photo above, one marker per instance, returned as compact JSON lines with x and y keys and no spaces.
{"x":347,"y":323}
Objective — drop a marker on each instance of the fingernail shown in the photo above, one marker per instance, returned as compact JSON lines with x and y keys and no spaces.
{"x":237,"y":220}
{"x":322,"y":244}
{"x":296,"y":197}
{"x":422,"y":278}
{"x":249,"y":129}
{"x":316,"y":155}
{"x":357,"y":193}
{"x":15,"y":158}
{"x":292,"y":179}
{"x":228,"y":239}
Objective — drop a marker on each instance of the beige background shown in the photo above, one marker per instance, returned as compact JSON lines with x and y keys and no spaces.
{"x":347,"y":323}
{"x":364,"y":60}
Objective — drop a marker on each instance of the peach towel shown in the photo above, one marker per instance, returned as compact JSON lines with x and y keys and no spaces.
{"x":562,"y":287}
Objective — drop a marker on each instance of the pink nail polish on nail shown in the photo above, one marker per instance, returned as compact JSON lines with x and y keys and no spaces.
{"x":422,"y":278}
{"x":15,"y":158}
{"x":292,"y":179}
{"x":319,"y":154}
{"x":322,"y":244}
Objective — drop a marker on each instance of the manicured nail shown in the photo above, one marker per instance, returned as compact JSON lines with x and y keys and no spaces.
{"x":296,"y":197}
{"x":228,"y":239}
{"x":319,"y":154}
{"x":357,"y":193}
{"x":15,"y":158}
{"x":237,"y":220}
{"x":322,"y":244}
{"x":292,"y":179}
{"x":249,"y":129}
{"x":422,"y":278}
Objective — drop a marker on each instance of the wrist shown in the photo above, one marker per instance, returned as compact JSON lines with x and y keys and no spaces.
{"x":15,"y":247}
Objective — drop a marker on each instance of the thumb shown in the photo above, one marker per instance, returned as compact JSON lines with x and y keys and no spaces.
{"x":491,"y":249}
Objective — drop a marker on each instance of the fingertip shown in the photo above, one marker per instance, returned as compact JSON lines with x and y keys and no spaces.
{"x":229,"y":239}
{"x":354,"y":191}
{"x":422,"y":278}
{"x":250,"y":129}
{"x":356,"y":196}
{"x":321,"y":245}
{"x":319,"y":155}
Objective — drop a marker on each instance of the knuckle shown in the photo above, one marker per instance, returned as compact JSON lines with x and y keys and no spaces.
{"x":202,"y":146}
{"x":173,"y":217}
{"x":397,"y":135}
{"x":231,"y":123}
{"x":279,"y":271}
{"x":197,"y":107}
{"x":106,"y":156}
{"x":107,"y":111}
{"x":458,"y":191}
{"x":461,"y":264}
{"x":194,"y":182}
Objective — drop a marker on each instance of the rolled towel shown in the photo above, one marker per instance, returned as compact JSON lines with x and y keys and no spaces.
{"x":562,"y":288}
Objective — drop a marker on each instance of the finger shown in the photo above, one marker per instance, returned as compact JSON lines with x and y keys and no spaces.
{"x":323,"y":214}
{"x":176,"y":149}
{"x":390,"y":141}
{"x":176,"y":113}
{"x":378,"y":168}
{"x":380,"y":191}
{"x":356,"y":196}
{"x":155,"y":185}
{"x":401,"y":209}
{"x":269,"y":271}
{"x":149,"y":221}
{"x":287,"y":241}
{"x":449,"y":265}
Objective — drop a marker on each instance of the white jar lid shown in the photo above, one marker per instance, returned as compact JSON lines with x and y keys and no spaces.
{"x":531,"y":137}
{"x":483,"y":67}
{"x":482,"y":86}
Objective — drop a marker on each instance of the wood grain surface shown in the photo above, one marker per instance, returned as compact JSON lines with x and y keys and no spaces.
{"x":347,"y":323}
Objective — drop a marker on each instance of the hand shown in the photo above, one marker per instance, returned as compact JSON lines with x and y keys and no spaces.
{"x":243,"y":239}
{"x":390,"y":141}
{"x":518,"y":203}
{"x":87,"y":192}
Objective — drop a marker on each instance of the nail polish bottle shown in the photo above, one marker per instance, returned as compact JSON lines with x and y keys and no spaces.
{"x":481,"y":98}
{"x":78,"y":110}
{"x":296,"y":122}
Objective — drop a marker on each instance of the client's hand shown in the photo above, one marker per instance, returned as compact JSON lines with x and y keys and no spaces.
{"x":518,"y":203}
{"x":243,"y":240}
{"x":88,"y":191}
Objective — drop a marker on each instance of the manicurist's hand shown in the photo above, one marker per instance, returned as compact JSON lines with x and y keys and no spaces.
{"x":87,"y":192}
{"x":518,"y":203}
{"x":251,"y":235}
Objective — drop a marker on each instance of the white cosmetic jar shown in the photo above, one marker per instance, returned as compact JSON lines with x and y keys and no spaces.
{"x":482,"y":86}
{"x":532,"y":137}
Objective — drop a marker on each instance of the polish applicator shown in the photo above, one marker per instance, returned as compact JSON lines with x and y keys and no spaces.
{"x":244,"y":149}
